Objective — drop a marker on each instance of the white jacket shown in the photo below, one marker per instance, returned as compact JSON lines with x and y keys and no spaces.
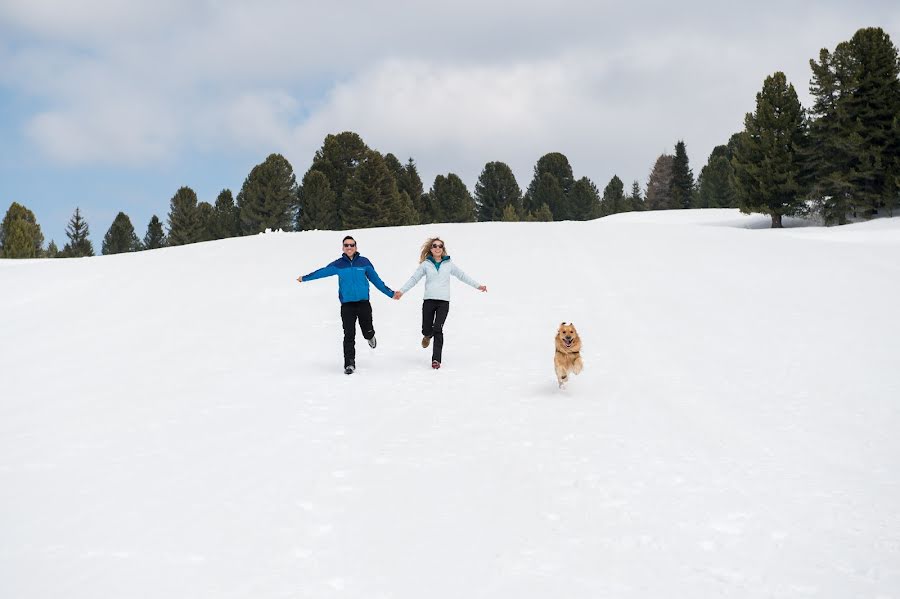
{"x":437,"y":278}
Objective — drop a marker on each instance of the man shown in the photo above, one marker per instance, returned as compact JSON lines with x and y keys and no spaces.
{"x":354,"y":273}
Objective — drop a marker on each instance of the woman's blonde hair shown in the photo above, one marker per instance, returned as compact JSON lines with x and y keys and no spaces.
{"x":426,"y":249}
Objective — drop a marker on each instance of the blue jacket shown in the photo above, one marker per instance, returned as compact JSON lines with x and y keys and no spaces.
{"x":353,"y":278}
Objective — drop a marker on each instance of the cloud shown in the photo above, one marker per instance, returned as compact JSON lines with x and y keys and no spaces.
{"x":451,"y":86}
{"x":117,"y":132}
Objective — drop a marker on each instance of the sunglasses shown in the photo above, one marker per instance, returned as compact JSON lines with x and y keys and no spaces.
{"x":437,"y":245}
{"x":349,"y":245}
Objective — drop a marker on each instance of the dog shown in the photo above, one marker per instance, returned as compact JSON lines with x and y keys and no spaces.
{"x":568,"y":353}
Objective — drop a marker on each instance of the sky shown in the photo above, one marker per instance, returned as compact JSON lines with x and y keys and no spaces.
{"x":117,"y":105}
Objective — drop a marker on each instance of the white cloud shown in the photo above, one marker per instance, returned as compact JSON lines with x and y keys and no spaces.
{"x":452,"y":87}
{"x":114,"y":132}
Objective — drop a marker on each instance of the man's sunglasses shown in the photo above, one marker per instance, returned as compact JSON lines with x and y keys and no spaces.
{"x":349,"y":245}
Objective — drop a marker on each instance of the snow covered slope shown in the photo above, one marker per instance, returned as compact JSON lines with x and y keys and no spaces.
{"x":176,"y":423}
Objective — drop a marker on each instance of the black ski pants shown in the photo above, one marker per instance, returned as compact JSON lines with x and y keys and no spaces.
{"x":350,"y":312}
{"x":434,"y":313}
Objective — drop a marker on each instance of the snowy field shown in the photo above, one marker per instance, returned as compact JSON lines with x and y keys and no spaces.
{"x":176,"y":423}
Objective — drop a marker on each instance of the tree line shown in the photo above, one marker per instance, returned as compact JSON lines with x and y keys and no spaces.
{"x":839,"y":159}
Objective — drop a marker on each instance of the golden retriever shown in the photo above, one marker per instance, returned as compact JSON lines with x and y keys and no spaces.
{"x":568,"y":353}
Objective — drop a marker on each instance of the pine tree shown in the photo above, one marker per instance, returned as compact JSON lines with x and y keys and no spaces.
{"x":52,"y":250}
{"x":226,"y":218}
{"x":766,"y":161}
{"x":371,"y":198}
{"x":77,"y":231}
{"x":550,"y":192}
{"x":411,"y":183}
{"x":431,"y":212}
{"x":659,"y":184}
{"x":541,"y":190}
{"x":509,"y":214}
{"x":495,"y":190}
{"x":28,"y":238}
{"x":682,"y":178}
{"x":543,"y":215}
{"x":852,"y":155}
{"x":207,"y":217}
{"x":875,"y":105}
{"x":584,"y":200}
{"x":19,"y":241}
{"x":120,"y":237}
{"x":268,"y":197}
{"x":636,"y":200}
{"x":394,"y":166}
{"x":184,"y":218}
{"x":155,"y":237}
{"x":826,"y":162}
{"x":613,"y":200}
{"x":338,"y":159}
{"x":318,"y":203}
{"x":452,"y":199}
{"x":716,"y":180}
{"x":409,"y":209}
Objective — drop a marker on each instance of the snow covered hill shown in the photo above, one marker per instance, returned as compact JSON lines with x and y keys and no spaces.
{"x":176,"y":423}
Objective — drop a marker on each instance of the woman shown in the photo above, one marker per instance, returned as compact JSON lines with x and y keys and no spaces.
{"x":436,"y":267}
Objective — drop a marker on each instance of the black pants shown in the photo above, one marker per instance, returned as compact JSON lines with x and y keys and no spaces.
{"x":434,"y":313}
{"x":350,"y":311}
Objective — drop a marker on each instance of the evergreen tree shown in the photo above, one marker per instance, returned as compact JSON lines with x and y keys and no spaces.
{"x":226,"y":218}
{"x":874,"y":104}
{"x":495,"y":190}
{"x":431,"y":212}
{"x":452,"y":199}
{"x":28,"y":239}
{"x":185,"y":225}
{"x":410,"y":192}
{"x":543,"y":215}
{"x":716,"y":181}
{"x":852,"y":155}
{"x":766,"y":161}
{"x":682,"y":178}
{"x":411,"y":183}
{"x":338,"y":159}
{"x":550,"y":192}
{"x":155,"y":237}
{"x":52,"y":250}
{"x":206,"y":215}
{"x":19,"y":242}
{"x":584,"y":200}
{"x":120,"y":237}
{"x":77,"y":231}
{"x":371,"y":198}
{"x":509,"y":214}
{"x":395,"y":166}
{"x":268,"y":196}
{"x":318,"y":203}
{"x":659,"y":184}
{"x":613,"y":200}
{"x":827,"y":163}
{"x":636,"y":200}
{"x":541,"y":190}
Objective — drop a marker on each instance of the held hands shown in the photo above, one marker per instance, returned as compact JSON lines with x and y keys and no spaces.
{"x":300,"y":279}
{"x":483,"y":288}
{"x":398,"y":295}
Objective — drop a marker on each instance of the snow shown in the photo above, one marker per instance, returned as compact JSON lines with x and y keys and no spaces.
{"x":176,"y":423}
